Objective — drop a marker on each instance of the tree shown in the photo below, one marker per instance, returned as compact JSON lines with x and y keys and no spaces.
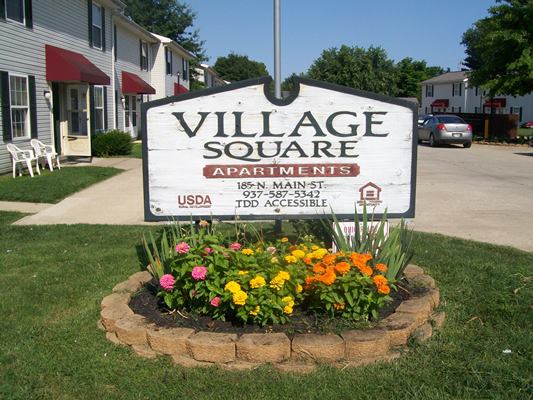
{"x":236,"y":67}
{"x":169,"y":18}
{"x":287,"y":83}
{"x":411,"y":73}
{"x":358,"y":68}
{"x":499,"y":49}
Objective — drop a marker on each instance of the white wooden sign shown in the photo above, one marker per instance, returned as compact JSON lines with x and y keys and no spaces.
{"x":237,"y":151}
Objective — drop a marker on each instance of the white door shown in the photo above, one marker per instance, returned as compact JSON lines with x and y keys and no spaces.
{"x":130,"y":108}
{"x":76,"y":137}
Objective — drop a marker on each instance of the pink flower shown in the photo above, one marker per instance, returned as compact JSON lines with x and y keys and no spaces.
{"x":182,"y":248}
{"x":167,"y":282}
{"x":199,"y":272}
{"x":235,"y":246}
{"x":216,"y":301}
{"x":208,"y":250}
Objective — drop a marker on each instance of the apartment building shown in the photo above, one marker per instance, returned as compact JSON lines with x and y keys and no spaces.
{"x":72,"y":68}
{"x":208,"y":76}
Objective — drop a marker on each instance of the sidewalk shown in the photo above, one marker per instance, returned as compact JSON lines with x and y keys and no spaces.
{"x":116,"y":201}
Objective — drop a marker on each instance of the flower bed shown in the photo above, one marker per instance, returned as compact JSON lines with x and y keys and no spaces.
{"x":413,"y":318}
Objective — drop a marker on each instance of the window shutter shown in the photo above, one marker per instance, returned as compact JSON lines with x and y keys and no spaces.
{"x":141,"y":53}
{"x":460,"y":89}
{"x":91,"y":108}
{"x":33,"y":107}
{"x":116,"y":109}
{"x":28,"y":13}
{"x":6,"y":109}
{"x":105,"y":108}
{"x":115,"y":42}
{"x":90,"y":21}
{"x":2,"y":9}
{"x":103,"y":28}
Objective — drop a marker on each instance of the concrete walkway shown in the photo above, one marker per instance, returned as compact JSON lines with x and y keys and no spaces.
{"x":484,"y":193}
{"x":116,"y":201}
{"x":23,"y":207}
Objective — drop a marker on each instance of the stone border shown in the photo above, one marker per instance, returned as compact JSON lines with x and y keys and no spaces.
{"x":413,"y":318}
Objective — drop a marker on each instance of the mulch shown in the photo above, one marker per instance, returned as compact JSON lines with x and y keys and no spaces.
{"x":148,"y":305}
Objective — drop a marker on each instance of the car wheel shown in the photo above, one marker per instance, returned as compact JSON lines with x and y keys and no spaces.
{"x":432,"y":141}
{"x":467,"y":145}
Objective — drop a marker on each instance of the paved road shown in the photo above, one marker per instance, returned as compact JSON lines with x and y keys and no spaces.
{"x":483,"y":193}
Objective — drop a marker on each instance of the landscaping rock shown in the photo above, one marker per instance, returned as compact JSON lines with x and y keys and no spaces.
{"x":362,"y":344}
{"x":412,"y":270}
{"x":169,"y":340}
{"x":264,"y":347}
{"x":295,"y":368}
{"x":141,"y":277}
{"x":419,"y":307}
{"x":115,"y":299}
{"x":423,"y":332}
{"x":438,"y":319}
{"x":129,"y":286}
{"x":399,"y":327}
{"x":188,"y":362}
{"x":132,"y":329}
{"x":212,"y":347}
{"x":144,"y":351}
{"x":110,"y":315}
{"x":423,"y":280}
{"x":112,"y":337}
{"x":239,"y":366}
{"x":318,"y":348}
{"x":435,"y":296}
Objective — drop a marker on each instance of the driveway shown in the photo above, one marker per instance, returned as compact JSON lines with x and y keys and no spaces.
{"x":484,"y":193}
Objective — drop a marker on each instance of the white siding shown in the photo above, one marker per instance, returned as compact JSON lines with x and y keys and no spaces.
{"x":61,"y":23}
{"x":158,"y":75}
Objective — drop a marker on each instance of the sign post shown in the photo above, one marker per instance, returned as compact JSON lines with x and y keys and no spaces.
{"x":237,"y":151}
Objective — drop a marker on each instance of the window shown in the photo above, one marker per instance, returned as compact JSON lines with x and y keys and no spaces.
{"x":15,"y":10}
{"x":477,"y":91}
{"x":98,"y":108}
{"x":429,"y":90}
{"x":456,"y":89}
{"x":168,"y":59}
{"x":19,"y":103}
{"x":97,"y":26}
{"x":185,"y":69}
{"x":144,"y":56}
{"x":518,"y":111}
{"x":130,"y":109}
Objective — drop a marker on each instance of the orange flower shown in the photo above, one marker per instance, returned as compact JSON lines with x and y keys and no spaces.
{"x":328,"y":278}
{"x":319,"y":268}
{"x":360,"y":260}
{"x":380,"y":280}
{"x":383,"y":289}
{"x":381,"y":267}
{"x":309,"y":282}
{"x":342,"y":268}
{"x":338,"y":306}
{"x":307,"y":260}
{"x":329,"y":259}
{"x":366,"y":270}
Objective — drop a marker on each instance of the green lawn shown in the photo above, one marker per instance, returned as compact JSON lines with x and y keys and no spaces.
{"x":51,"y":187}
{"x":137,"y":150}
{"x":53,"y":279}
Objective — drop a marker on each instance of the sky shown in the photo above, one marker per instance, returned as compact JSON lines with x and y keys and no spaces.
{"x":428,"y":30}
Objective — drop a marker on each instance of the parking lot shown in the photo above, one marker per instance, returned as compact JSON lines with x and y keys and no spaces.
{"x":483,"y":193}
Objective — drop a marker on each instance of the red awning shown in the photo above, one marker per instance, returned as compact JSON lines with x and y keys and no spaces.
{"x":495,"y":103}
{"x":67,"y":66}
{"x":440,"y":103}
{"x":132,"y":83}
{"x":179,"y":89}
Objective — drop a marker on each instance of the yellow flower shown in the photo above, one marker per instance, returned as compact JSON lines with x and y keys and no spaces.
{"x":287,"y":299}
{"x":291,"y":259}
{"x":274,"y":260}
{"x":287,"y":309}
{"x":255,"y":311}
{"x":247,"y":252}
{"x":232,"y":287}
{"x":257,"y":282}
{"x":283,"y":275}
{"x":338,"y":306}
{"x":299,"y":288}
{"x":298,"y":254}
{"x":241,"y":272}
{"x":314,"y":247}
{"x":284,"y":239}
{"x":239,"y":298}
{"x":277,"y":283}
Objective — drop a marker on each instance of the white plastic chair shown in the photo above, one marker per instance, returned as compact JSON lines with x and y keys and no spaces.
{"x":45,"y":151}
{"x":19,"y":156}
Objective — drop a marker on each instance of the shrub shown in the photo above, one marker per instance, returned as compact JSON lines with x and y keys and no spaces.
{"x":111,"y":143}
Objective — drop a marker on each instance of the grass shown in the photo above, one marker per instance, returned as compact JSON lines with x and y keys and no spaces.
{"x":53,"y":279}
{"x":51,"y":187}
{"x":525,"y":132}
{"x":136,"y":150}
